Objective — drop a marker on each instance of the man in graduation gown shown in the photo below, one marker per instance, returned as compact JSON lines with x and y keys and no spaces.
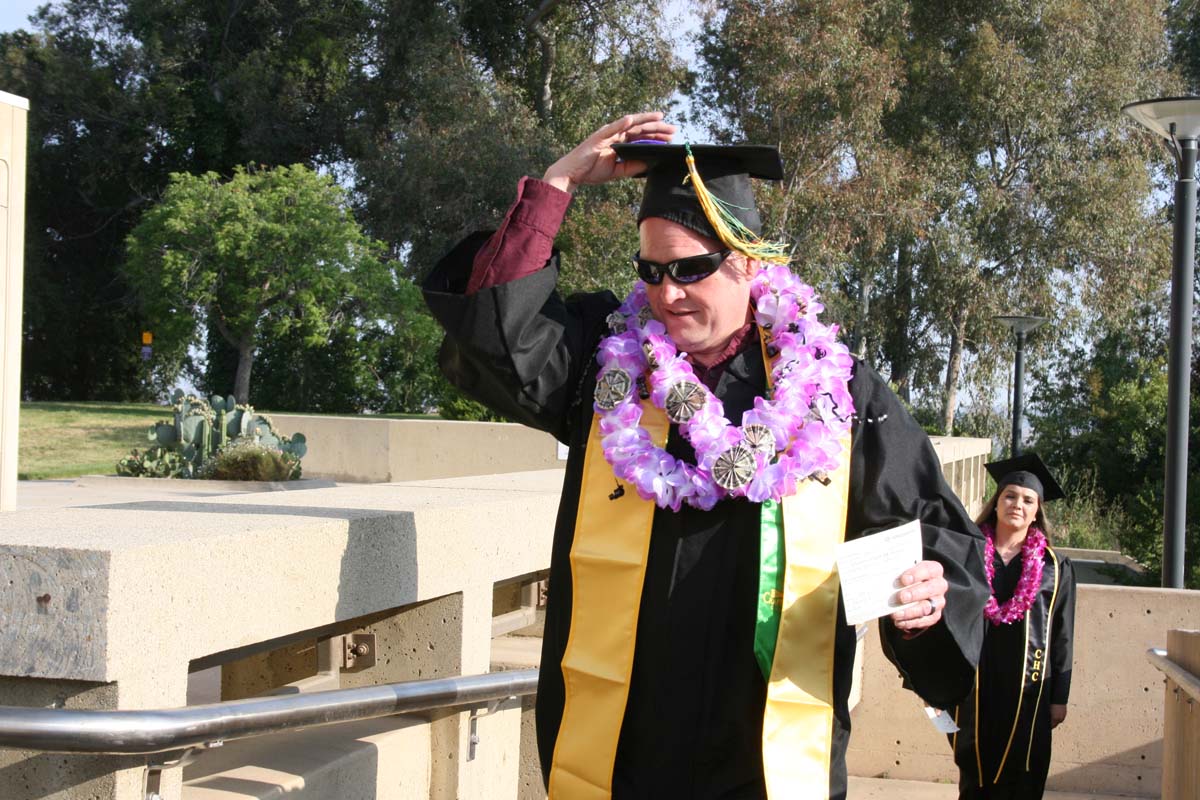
{"x":653,"y":682}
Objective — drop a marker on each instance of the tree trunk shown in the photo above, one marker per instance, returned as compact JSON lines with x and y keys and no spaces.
{"x":901,"y":360}
{"x":544,"y":101}
{"x":241,"y":380}
{"x":958,"y":331}
{"x":867,"y":284}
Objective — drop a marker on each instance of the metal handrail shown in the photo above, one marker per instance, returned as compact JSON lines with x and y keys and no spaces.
{"x":62,"y":730}
{"x":1184,"y":679}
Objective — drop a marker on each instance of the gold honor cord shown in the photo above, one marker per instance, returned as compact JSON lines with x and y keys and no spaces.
{"x":1020,"y":697}
{"x":1045,"y":652}
{"x":798,"y":719}
{"x":608,"y":565}
{"x":978,"y":758}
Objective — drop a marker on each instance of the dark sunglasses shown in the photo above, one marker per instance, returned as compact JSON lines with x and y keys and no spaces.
{"x":681,"y":270}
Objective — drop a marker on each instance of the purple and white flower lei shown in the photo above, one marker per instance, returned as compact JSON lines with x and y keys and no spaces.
{"x":809,"y":410}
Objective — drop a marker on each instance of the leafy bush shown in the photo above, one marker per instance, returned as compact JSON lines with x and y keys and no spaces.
{"x":248,"y":460}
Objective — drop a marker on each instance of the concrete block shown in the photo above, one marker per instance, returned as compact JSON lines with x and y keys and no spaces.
{"x":55,"y":612}
{"x":379,"y":759}
{"x":373,"y":450}
{"x":162,"y":583}
{"x":261,"y":672}
{"x":27,"y":775}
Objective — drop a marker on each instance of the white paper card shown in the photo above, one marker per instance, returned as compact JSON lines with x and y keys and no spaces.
{"x":870,"y":569}
{"x":941,"y":720}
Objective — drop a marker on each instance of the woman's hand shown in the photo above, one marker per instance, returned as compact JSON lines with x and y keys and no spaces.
{"x":923,"y":585}
{"x":1057,"y":714}
{"x":594,"y":160}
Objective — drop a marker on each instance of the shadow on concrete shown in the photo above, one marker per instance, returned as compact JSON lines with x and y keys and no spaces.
{"x":198,"y":507}
{"x":34,"y":776}
{"x":338,"y":761}
{"x":1147,"y":780}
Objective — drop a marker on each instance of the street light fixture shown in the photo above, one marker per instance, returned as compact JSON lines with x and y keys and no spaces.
{"x":1177,"y":120}
{"x":1020,"y":326}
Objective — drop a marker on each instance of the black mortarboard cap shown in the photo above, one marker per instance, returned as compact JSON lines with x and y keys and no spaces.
{"x":725,"y":169}
{"x":1028,"y":471}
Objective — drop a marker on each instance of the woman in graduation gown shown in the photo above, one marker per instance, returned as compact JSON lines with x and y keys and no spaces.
{"x":1002,"y":747}
{"x":685,"y":715}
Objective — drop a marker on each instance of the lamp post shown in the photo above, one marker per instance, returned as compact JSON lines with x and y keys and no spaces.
{"x":1177,"y":120}
{"x":1020,"y":326}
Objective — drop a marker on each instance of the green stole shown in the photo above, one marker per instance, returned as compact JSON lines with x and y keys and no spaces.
{"x":608,"y":564}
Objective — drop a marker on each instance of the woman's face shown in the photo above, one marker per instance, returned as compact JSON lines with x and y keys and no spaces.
{"x":1016,"y":507}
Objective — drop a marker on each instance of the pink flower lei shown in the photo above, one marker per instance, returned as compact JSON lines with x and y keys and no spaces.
{"x":793,"y":434}
{"x":1028,"y":587}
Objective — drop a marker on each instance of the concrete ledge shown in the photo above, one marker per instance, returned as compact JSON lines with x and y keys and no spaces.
{"x":122,"y":481}
{"x":373,"y":450}
{"x":165,"y":582}
{"x":130,"y":595}
{"x":1101,"y":566}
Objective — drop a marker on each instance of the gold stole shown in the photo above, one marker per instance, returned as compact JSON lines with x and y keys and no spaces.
{"x":608,"y":564}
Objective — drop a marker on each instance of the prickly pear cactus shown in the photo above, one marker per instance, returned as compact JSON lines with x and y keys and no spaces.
{"x":154,"y":462}
{"x":199,"y":429}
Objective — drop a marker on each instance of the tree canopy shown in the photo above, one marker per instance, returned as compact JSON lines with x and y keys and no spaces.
{"x":947,"y":162}
{"x":269,"y":253}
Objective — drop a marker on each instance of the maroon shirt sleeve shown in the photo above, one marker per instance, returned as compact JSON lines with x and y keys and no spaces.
{"x":525,"y":239}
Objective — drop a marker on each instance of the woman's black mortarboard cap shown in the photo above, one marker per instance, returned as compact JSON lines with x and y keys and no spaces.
{"x":1027,"y":471}
{"x":726,"y":171}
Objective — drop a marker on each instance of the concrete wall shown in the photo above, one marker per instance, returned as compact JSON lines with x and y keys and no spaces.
{"x":110,"y":605}
{"x":365,"y":449}
{"x":13,"y":112}
{"x":962,"y":465}
{"x":374,"y":450}
{"x":1111,"y":741}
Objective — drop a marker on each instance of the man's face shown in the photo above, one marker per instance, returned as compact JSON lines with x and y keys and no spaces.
{"x":701,"y":316}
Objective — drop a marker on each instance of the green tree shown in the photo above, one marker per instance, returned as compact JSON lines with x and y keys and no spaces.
{"x":270,"y":252}
{"x":428,"y":111}
{"x":1100,"y":419}
{"x":948,"y":162}
{"x":125,"y":92}
{"x":502,"y":90}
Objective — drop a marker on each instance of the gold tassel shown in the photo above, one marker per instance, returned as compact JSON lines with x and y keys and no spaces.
{"x":729,"y":228}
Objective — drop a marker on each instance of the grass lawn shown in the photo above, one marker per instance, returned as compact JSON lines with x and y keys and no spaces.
{"x":65,"y":440}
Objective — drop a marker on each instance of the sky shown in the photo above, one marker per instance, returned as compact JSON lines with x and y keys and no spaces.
{"x":14,"y":13}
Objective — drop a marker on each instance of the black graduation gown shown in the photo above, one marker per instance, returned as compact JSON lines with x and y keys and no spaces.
{"x":693,"y":721}
{"x":1017,"y":686}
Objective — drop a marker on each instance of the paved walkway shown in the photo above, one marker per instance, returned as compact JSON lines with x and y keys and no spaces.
{"x":883,"y":789}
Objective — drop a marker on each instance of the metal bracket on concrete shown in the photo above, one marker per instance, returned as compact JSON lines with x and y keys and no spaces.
{"x":358,"y":651}
{"x":160,"y":761}
{"x":353,"y":652}
{"x":473,"y":720}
